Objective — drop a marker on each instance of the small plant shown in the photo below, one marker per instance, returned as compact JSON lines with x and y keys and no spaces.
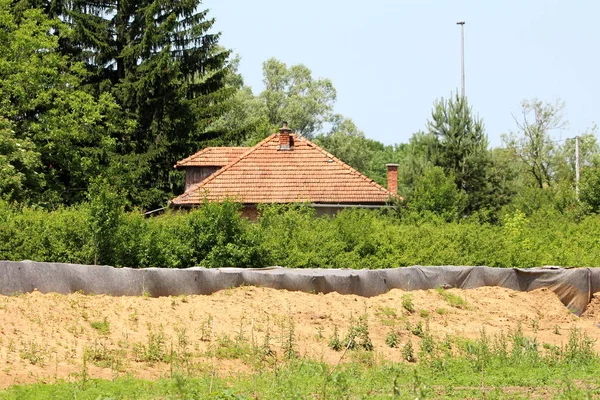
{"x":388,"y":312}
{"x":535,"y":325}
{"x":33,"y":352}
{"x":265,"y":350}
{"x":319,"y":335}
{"x":427,"y":344}
{"x":523,"y":348}
{"x":358,"y":335}
{"x":156,"y":346}
{"x":101,"y":356}
{"x":417,"y":330}
{"x":580,"y":348}
{"x":240,"y":335}
{"x":392,"y":339}
{"x":453,"y":299}
{"x":103,"y":327}
{"x":407,"y":303}
{"x":290,"y":339}
{"x":231,"y":349}
{"x":206,"y":329}
{"x":424,"y":313}
{"x":387,"y":315}
{"x":441,"y":311}
{"x":182,"y":343}
{"x":556,"y":330}
{"x":155,"y":350}
{"x":334,"y":342}
{"x":408,"y":352}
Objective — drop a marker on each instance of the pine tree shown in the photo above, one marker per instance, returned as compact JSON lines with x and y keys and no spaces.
{"x":164,"y":67}
{"x":461,"y":150}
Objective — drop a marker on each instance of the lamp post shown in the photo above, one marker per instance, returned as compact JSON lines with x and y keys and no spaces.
{"x":462,"y":51}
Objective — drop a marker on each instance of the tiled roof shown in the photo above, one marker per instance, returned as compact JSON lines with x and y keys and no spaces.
{"x":266,"y":174}
{"x":213,"y":157}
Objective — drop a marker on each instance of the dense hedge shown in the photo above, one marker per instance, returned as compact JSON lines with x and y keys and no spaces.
{"x":216,"y":235}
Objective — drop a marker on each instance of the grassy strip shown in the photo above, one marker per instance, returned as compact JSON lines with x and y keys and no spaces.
{"x":308,"y":379}
{"x":506,"y":366}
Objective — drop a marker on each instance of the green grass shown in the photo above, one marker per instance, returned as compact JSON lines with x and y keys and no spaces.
{"x":453,"y":299}
{"x":103,"y":327}
{"x":308,"y":379}
{"x":506,"y":366}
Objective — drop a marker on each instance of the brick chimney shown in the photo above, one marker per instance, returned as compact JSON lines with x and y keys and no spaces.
{"x":392,"y":178}
{"x":285,"y":140}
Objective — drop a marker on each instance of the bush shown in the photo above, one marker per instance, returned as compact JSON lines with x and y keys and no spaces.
{"x":216,"y":235}
{"x":590,"y":188}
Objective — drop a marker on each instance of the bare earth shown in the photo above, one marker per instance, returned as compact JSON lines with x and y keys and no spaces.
{"x":43,"y":337}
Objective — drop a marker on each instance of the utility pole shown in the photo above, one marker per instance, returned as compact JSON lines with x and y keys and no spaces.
{"x":462,"y":52}
{"x":577,"y":166}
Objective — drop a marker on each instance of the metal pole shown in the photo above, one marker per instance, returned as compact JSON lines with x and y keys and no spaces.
{"x":577,"y":166}
{"x":462,"y":53}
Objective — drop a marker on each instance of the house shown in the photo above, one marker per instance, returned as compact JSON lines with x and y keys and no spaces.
{"x":283,"y":168}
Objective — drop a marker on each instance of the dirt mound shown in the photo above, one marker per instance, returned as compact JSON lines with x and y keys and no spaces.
{"x":593,"y":309}
{"x":45,"y":336}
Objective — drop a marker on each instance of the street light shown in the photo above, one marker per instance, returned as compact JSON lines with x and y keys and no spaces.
{"x":462,"y":48}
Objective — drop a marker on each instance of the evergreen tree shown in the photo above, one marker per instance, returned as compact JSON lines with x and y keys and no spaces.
{"x":460,"y":148}
{"x":167,"y":73}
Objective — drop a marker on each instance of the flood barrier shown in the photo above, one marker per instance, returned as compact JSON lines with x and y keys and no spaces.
{"x":574,"y":287}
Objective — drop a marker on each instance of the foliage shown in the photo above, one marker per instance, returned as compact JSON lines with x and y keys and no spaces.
{"x":503,"y":365}
{"x":461,"y":150}
{"x":436,"y":194}
{"x":103,"y":327}
{"x":158,"y":73}
{"x":291,"y":94}
{"x":418,"y":157}
{"x":106,"y":209}
{"x":62,"y":133}
{"x":534,"y":146}
{"x":293,"y":236}
{"x":19,"y":165}
{"x":590,"y":188}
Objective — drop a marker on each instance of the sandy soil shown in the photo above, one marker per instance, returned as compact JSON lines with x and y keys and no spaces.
{"x":43,"y":337}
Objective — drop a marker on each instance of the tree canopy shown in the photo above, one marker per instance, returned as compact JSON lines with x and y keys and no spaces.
{"x":117,"y":91}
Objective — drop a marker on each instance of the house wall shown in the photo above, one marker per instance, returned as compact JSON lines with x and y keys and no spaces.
{"x":194,"y":175}
{"x":249,"y":211}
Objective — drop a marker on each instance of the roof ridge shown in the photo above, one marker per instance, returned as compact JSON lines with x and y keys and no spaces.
{"x":360,"y":174}
{"x":225,"y":168}
{"x":207,"y":150}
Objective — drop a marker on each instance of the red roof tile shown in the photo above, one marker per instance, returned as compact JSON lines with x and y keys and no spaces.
{"x":213,"y":157}
{"x":266,"y":174}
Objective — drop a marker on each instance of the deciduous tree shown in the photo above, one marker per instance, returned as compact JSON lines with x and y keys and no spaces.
{"x":533,"y":143}
{"x":55,"y":135}
{"x":164,"y":67}
{"x":292,"y":94}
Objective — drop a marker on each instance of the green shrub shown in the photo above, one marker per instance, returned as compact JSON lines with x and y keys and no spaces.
{"x":215,"y":235}
{"x":105,"y":210}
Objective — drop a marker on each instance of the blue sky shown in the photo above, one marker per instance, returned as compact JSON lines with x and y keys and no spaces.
{"x":389,"y":60}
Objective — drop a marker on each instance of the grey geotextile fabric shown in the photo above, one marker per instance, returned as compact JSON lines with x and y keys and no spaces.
{"x":574,"y":287}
